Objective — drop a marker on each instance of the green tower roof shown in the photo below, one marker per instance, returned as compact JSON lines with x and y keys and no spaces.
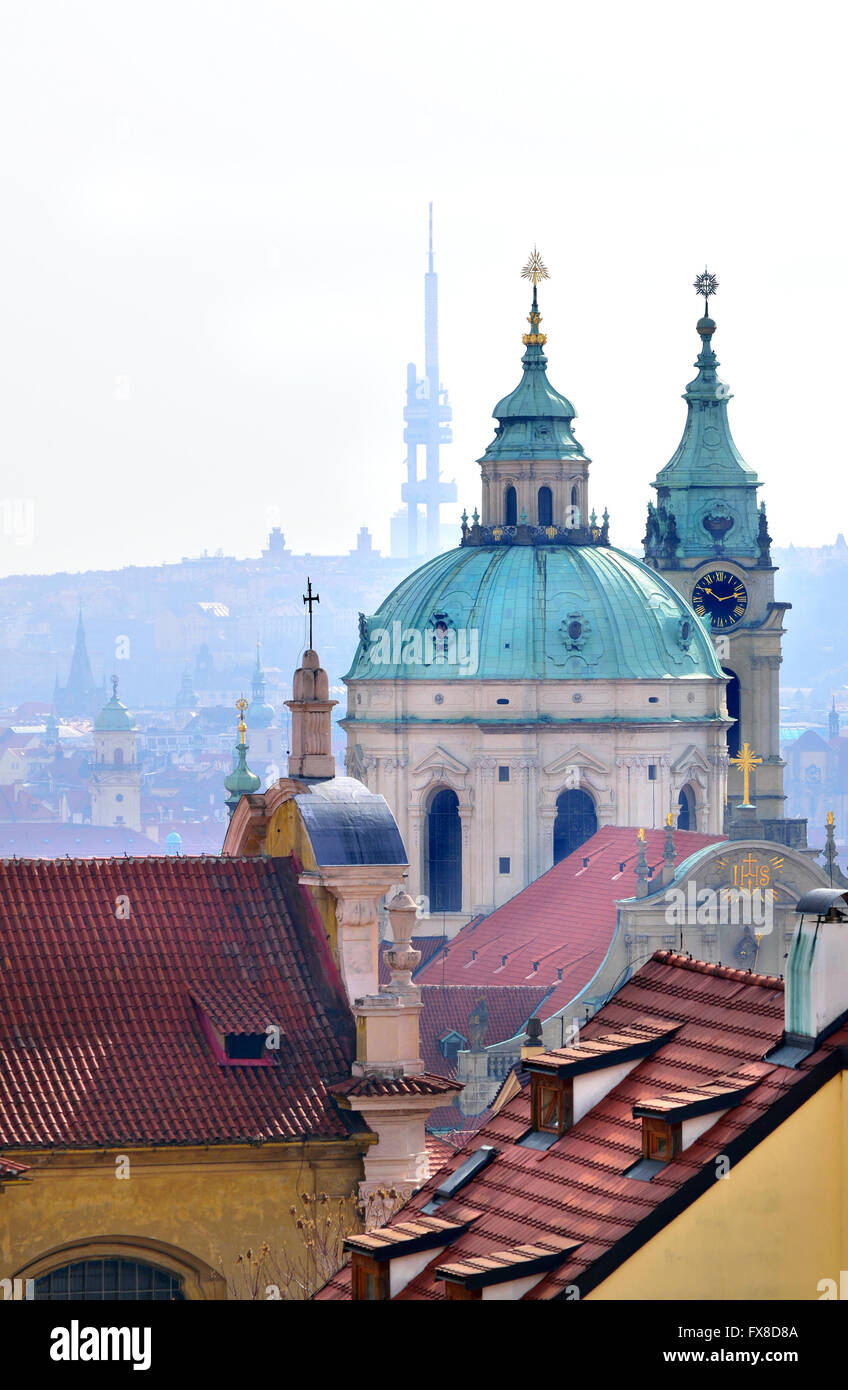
{"x":534,"y":420}
{"x":707,"y":486}
{"x":114,"y":716}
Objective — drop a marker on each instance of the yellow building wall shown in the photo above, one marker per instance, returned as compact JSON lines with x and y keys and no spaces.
{"x":192,"y":1211}
{"x":772,"y":1229}
{"x":286,"y":834}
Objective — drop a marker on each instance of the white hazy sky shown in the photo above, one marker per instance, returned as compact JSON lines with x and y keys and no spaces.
{"x":213,"y":239}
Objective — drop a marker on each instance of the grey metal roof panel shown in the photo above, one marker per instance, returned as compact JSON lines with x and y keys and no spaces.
{"x":351,"y":829}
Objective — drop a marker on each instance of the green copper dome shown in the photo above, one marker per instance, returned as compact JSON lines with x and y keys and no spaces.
{"x":114,"y":717}
{"x":520,"y":612}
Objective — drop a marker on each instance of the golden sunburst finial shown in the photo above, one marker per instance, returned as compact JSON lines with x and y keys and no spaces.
{"x":241,"y":706}
{"x":535,"y":269}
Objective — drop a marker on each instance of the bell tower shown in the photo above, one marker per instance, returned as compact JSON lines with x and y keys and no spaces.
{"x":115,"y":778}
{"x":709,"y":537}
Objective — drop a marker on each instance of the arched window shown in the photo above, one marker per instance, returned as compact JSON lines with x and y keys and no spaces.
{"x":127,"y":1281}
{"x":546,"y":507}
{"x":575,"y":507}
{"x":444,"y":853}
{"x":575,"y":822}
{"x":119,"y":757}
{"x":733,"y":697}
{"x":686,"y":809}
{"x":510,"y":507}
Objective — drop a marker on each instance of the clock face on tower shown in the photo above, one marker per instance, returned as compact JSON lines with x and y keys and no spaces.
{"x":722,"y":596}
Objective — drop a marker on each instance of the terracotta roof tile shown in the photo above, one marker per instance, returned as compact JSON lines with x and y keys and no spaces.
{"x":578,"y":1190}
{"x":447,"y":1009}
{"x":426,"y":1085}
{"x":100,"y":1041}
{"x":555,"y":933}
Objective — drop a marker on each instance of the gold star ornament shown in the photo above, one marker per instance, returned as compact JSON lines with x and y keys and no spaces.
{"x":535,"y":269}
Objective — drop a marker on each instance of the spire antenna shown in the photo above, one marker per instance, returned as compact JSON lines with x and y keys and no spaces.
{"x":430,"y":263}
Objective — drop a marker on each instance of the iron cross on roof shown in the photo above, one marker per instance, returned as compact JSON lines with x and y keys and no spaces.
{"x":309,"y":599}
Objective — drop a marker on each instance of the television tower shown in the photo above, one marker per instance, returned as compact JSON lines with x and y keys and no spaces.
{"x":426,"y":414}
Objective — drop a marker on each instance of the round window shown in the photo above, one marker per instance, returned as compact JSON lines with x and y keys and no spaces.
{"x":120,"y":796}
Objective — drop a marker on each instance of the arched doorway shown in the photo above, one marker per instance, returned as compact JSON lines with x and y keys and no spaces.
{"x":510,"y":507}
{"x":126,"y":1281}
{"x":444,"y":853}
{"x":546,"y":507}
{"x":686,"y":819}
{"x":575,"y":822}
{"x":733,"y":697}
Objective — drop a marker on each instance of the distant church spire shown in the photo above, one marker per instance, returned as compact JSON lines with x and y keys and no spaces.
{"x":81,"y":696}
{"x":833,"y":719}
{"x":260,"y":713}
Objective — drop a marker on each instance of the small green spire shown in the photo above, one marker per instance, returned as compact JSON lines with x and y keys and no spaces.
{"x":241,"y":781}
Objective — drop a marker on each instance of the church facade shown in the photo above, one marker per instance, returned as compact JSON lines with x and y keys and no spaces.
{"x":515,"y":694}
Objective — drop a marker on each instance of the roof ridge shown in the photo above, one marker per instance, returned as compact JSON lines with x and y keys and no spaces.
{"x":722,"y":972}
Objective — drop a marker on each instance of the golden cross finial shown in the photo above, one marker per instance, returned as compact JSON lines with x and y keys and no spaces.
{"x":241,"y":706}
{"x":535,"y":269}
{"x":747,"y":761}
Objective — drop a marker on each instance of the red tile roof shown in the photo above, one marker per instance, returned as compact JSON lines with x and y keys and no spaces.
{"x":556,"y":932}
{"x":578,"y":1190}
{"x":439,"y":1151}
{"x":100,"y":1042}
{"x":399,"y":1086}
{"x":447,"y":1007}
{"x":427,"y":945}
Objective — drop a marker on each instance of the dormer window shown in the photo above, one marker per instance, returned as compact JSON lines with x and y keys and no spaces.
{"x":451,"y":1043}
{"x":246,"y":1046}
{"x":661,"y":1140}
{"x":239,"y":1026}
{"x":553,"y":1104}
{"x":369,"y":1278}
